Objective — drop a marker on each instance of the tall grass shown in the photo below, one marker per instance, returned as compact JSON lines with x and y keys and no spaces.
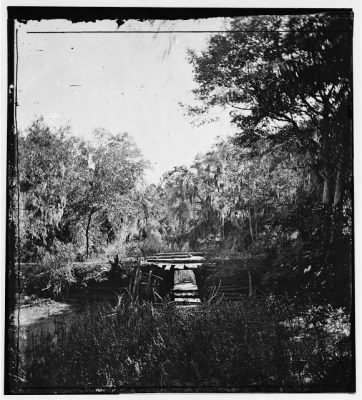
{"x":253,"y":345}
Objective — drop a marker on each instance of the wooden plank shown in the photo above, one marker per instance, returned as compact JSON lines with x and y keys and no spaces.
{"x":187,"y":266}
{"x":186,"y":253}
{"x":185,"y":287}
{"x":187,"y":294}
{"x":188,"y":260}
{"x":184,"y":301}
{"x":171,"y":256}
{"x":169,"y":266}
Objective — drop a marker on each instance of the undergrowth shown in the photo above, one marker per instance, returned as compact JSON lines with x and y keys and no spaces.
{"x":254,"y":345}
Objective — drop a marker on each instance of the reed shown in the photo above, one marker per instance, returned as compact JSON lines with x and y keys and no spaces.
{"x":232,"y":346}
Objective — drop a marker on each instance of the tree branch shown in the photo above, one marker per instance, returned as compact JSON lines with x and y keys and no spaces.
{"x":238,"y":108}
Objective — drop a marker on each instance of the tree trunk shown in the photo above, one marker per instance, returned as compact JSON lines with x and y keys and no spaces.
{"x":327,"y":173}
{"x":250,"y":285}
{"x":326,"y":198}
{"x":87,"y":233}
{"x":338,"y":191}
{"x":256,"y":223}
{"x":251,"y":226}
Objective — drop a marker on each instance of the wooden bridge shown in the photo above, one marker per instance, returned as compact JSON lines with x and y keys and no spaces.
{"x":189,"y":277}
{"x":231,"y":277}
{"x":185,"y":290}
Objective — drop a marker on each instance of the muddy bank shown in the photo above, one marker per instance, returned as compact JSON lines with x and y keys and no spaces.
{"x":38,"y":310}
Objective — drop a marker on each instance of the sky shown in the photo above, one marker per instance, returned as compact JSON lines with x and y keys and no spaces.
{"x":122,"y":82}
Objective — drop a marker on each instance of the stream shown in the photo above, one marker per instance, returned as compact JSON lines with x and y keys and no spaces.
{"x":43,"y":317}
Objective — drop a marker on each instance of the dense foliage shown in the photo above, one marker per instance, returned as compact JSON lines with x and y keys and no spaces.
{"x":287,"y":83}
{"x":230,"y":346}
{"x":75,"y":191}
{"x":287,"y":80}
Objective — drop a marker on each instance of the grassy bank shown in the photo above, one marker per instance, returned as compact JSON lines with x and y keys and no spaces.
{"x":254,"y":345}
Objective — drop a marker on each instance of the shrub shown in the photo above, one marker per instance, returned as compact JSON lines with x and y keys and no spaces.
{"x":54,"y":275}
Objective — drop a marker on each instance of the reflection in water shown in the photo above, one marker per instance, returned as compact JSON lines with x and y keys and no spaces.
{"x":185,"y":289}
{"x":39,"y":321}
{"x":184,"y":276}
{"x":45,"y":317}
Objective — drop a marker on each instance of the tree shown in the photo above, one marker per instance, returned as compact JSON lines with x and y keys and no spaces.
{"x":110,"y":170}
{"x":46,"y":179}
{"x":287,"y":84}
{"x":287,"y":80}
{"x":67,"y":184}
{"x":229,"y":195}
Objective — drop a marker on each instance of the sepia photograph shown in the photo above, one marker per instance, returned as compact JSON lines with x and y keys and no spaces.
{"x":179,"y":200}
